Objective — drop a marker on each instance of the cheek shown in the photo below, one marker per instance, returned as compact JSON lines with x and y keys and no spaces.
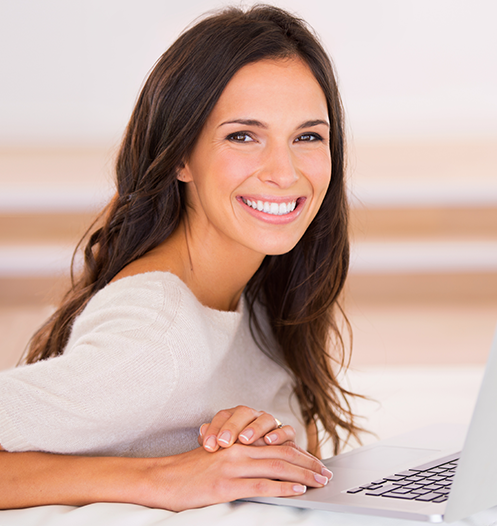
{"x":233,"y":168}
{"x":318,"y":169}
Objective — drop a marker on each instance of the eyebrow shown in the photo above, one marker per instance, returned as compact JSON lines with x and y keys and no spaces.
{"x":259,"y":124}
{"x":310,"y":124}
{"x":246,"y":122}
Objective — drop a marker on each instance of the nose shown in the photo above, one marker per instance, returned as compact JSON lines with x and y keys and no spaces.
{"x":279,"y":167}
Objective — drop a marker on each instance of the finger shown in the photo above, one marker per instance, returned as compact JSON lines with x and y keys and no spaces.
{"x":292,"y":453}
{"x":210,"y":432}
{"x":324,"y":470}
{"x":232,"y":428}
{"x":282,"y":469}
{"x":280,"y":435}
{"x":201,"y":433}
{"x":260,"y":427}
{"x":287,"y":471}
{"x":260,"y":487}
{"x":291,"y":443}
{"x":258,"y":442}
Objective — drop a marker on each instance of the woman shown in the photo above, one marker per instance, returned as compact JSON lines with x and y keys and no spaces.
{"x":209,"y":292}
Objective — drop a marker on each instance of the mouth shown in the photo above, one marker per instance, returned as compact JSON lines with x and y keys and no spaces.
{"x":272,"y":207}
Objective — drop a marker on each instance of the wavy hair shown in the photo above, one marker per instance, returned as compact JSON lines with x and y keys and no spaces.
{"x":298,"y":290}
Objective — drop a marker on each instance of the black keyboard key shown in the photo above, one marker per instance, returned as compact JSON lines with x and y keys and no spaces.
{"x":428,"y":497}
{"x":436,"y":470}
{"x":414,"y":478}
{"x":402,"y":483}
{"x":355,"y":490}
{"x":433,"y":487}
{"x":443,"y":498}
{"x":401,"y":490}
{"x":413,"y":487}
{"x":442,"y":491}
{"x":436,"y":478}
{"x":405,"y":496}
{"x":421,"y":491}
{"x":385,"y":489}
{"x":394,"y":478}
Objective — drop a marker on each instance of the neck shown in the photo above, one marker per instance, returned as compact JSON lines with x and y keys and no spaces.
{"x":217,"y":273}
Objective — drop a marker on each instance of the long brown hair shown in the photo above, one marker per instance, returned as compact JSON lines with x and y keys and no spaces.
{"x":298,"y":290}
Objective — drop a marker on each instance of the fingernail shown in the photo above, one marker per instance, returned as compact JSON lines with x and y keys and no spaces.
{"x":247,"y":435}
{"x":211,"y":443}
{"x":320,"y":479}
{"x":298,"y":488}
{"x":200,"y":432}
{"x":225,"y":437}
{"x":273,"y":437}
{"x":327,"y":473}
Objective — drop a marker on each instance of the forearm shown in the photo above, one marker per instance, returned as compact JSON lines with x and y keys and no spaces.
{"x":188,"y":480}
{"x":34,"y":479}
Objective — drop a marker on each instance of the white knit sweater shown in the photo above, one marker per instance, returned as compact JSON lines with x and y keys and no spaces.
{"x":145,"y":366}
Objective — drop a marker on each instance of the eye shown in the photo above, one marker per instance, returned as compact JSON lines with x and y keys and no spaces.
{"x":240,"y":137}
{"x":308,"y":137}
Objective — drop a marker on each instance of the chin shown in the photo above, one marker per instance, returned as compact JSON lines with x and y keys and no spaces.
{"x":279,"y":250}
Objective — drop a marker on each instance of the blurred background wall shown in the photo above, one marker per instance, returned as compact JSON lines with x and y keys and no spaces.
{"x":419,"y":83}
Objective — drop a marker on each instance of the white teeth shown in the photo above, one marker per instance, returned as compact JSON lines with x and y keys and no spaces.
{"x":277,"y":209}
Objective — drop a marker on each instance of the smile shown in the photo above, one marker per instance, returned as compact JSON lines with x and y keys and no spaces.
{"x":276,"y":209}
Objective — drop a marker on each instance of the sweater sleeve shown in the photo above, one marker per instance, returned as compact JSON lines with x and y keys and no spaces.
{"x":109,"y":386}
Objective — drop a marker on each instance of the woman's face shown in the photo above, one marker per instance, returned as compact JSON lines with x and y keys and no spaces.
{"x":261,"y":166}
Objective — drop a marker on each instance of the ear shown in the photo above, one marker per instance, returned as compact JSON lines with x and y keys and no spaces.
{"x":184,"y":174}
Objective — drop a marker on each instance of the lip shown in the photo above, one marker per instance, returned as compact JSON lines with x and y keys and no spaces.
{"x":270,"y":218}
{"x":271,"y":198}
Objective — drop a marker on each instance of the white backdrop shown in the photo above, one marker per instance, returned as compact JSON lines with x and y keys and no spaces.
{"x":70,"y":70}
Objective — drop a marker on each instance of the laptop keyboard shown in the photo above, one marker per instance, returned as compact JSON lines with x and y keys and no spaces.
{"x":427,"y":483}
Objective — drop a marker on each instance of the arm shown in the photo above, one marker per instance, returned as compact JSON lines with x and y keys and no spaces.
{"x":34,"y":479}
{"x":189,"y":480}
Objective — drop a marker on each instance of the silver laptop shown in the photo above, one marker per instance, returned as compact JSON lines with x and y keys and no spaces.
{"x":441,"y":472}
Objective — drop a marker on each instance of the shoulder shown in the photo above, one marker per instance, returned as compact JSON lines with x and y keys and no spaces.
{"x":132,"y":303}
{"x":138,"y":289}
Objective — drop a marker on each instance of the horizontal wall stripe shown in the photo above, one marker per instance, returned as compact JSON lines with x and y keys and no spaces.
{"x":366,"y":258}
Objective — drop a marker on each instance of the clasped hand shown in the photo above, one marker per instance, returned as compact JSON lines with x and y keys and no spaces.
{"x":246,"y":426}
{"x":228,"y":467}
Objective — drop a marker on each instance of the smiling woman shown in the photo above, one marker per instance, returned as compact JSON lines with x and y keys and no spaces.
{"x":207,"y":310}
